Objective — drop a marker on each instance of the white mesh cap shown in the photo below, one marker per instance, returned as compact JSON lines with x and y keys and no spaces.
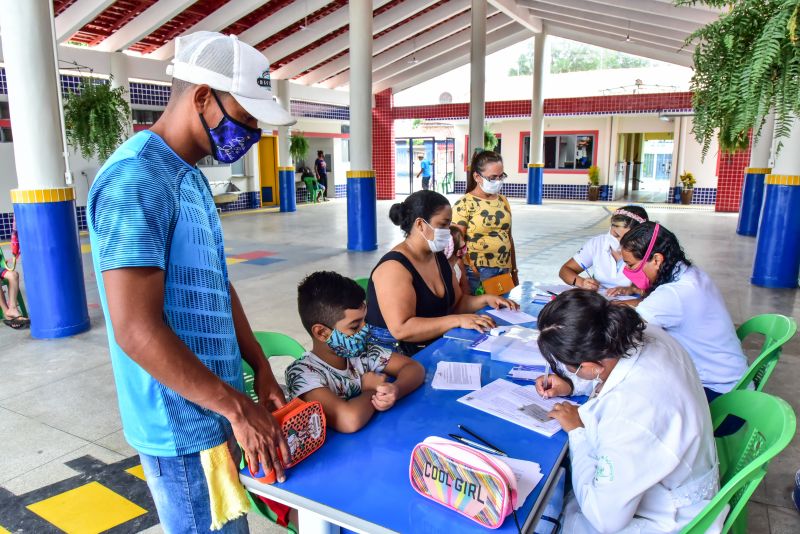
{"x":225,"y":63}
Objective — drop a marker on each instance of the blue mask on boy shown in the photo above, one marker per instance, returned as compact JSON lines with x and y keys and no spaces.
{"x":348,"y":346}
{"x":230,"y":139}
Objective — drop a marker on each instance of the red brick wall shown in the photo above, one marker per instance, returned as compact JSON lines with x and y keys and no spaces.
{"x":729,"y":180}
{"x":383,"y":144}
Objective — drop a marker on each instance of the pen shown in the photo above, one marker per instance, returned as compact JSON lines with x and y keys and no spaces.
{"x":546,"y":384}
{"x":476,"y":436}
{"x":475,"y":445}
{"x":587,"y":270}
{"x":554,"y":294}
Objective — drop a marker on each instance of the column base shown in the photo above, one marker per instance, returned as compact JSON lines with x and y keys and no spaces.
{"x":777,"y":260}
{"x":752,"y":199}
{"x":362,"y":217}
{"x":535,"y":183}
{"x":286,"y":192}
{"x":48,"y":234}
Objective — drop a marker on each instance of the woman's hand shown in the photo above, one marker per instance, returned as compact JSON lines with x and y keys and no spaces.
{"x":496,"y":302}
{"x":555,"y":387}
{"x":622,"y":291}
{"x":587,"y":283}
{"x":567,"y":416}
{"x":471,"y":321}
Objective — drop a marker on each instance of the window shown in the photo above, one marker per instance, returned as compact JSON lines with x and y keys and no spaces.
{"x":4,"y":110}
{"x":562,"y":152}
{"x":145,"y":116}
{"x":345,"y":149}
{"x":5,"y":135}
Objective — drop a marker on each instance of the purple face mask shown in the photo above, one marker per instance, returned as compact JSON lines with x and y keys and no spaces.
{"x":230,"y":139}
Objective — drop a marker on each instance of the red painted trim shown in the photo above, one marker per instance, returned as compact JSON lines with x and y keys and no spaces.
{"x":5,"y":123}
{"x":595,"y":133}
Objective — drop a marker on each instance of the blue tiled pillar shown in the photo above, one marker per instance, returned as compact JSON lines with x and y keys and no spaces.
{"x":777,"y":261}
{"x":535,"y":183}
{"x":752,"y":198}
{"x":288,"y":202}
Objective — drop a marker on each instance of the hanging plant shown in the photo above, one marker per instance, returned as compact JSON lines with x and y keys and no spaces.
{"x":489,"y":138}
{"x":745,"y":63}
{"x":298,"y":147}
{"x":96,"y":118}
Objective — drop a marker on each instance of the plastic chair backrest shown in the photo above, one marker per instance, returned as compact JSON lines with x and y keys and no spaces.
{"x":273,"y":344}
{"x":311,"y":187}
{"x":363,"y":282}
{"x":769,"y":426}
{"x":777,"y":330}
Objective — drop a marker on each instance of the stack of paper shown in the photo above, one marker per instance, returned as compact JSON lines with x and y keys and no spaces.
{"x":516,"y":345}
{"x":528,"y":475}
{"x":521,"y":405}
{"x":512,"y":316}
{"x":457,"y":376}
{"x":526,"y":372}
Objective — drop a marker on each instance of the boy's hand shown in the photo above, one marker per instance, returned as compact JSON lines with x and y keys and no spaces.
{"x":385,"y":396}
{"x":371,"y":381}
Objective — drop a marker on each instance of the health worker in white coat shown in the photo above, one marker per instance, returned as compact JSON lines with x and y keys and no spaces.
{"x":641,"y":448}
{"x":601,"y":255}
{"x":684,"y":301}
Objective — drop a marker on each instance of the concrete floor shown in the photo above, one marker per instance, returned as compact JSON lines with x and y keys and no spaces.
{"x":58,"y":401}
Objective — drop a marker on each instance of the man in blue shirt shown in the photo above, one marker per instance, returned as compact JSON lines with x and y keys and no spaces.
{"x":425,"y":171}
{"x":176,"y":328}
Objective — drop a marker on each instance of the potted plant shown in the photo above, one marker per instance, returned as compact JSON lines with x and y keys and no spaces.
{"x":594,"y":182}
{"x":96,"y":118}
{"x":298,"y":147}
{"x":687,"y":187}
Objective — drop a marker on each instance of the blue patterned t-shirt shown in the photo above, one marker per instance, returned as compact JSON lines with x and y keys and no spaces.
{"x":149,"y":208}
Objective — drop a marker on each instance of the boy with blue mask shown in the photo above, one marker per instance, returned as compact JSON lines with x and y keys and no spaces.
{"x":344,"y":372}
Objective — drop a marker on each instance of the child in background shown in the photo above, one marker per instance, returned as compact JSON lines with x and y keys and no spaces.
{"x":455,"y":256}
{"x":343,"y":372}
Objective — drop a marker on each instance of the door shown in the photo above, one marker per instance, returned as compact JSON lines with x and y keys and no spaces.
{"x":402,"y":166}
{"x":268,"y":170}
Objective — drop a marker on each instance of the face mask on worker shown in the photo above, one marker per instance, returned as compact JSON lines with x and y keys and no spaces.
{"x":573,"y":376}
{"x":491,"y":187}
{"x":348,"y":346}
{"x":441,"y":237}
{"x":230,"y":139}
{"x":637,"y":276}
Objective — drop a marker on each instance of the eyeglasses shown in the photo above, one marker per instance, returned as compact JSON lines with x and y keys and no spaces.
{"x":493,"y":178}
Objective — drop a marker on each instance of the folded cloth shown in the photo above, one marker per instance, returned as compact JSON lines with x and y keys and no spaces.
{"x":227,"y":496}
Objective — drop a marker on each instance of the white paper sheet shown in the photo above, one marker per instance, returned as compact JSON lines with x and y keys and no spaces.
{"x":457,"y":376}
{"x":512,"y":316}
{"x":528,"y":475}
{"x":510,"y":349}
{"x":604,"y":292}
{"x":543,"y":289}
{"x":521,"y":405}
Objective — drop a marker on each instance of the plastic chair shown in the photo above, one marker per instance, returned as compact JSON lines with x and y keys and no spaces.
{"x":273,"y":344}
{"x":777,"y":330}
{"x":744,"y":455}
{"x":363,"y":282}
{"x":20,"y":301}
{"x":314,"y":191}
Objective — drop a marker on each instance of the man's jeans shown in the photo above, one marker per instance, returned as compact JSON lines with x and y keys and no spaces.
{"x":179,"y":489}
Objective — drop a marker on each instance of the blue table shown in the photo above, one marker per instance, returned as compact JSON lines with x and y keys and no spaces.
{"x":360,"y":481}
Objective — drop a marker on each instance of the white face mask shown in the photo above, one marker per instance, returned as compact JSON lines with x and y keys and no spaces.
{"x":575,"y":378}
{"x":441,"y":237}
{"x":491,"y":188}
{"x":613,"y":242}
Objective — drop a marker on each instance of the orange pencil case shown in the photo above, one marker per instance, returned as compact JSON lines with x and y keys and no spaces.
{"x":303,"y":426}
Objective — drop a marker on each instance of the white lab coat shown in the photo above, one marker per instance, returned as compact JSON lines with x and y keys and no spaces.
{"x":645,"y":460}
{"x":596,"y":256}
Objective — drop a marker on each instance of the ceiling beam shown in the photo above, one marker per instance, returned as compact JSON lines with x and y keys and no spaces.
{"x":684,"y":23}
{"x":518,"y":14}
{"x":77,"y":16}
{"x":641,"y":39}
{"x":339,"y":43}
{"x":432,"y":18}
{"x":658,"y":9}
{"x":214,"y":22}
{"x":299,"y":40}
{"x":435,"y":50}
{"x":143,"y":25}
{"x":279,"y":20}
{"x":544,"y":10}
{"x":422,"y":72}
{"x":683,"y":58}
{"x":621,"y":33}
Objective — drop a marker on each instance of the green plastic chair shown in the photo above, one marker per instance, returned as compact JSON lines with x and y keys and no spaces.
{"x":313,"y":189}
{"x":744,"y":455}
{"x":20,"y":301}
{"x":363,"y":282}
{"x":777,"y":330}
{"x":273,"y":344}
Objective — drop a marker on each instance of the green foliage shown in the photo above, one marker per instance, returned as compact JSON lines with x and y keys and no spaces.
{"x":687,"y":180}
{"x":594,"y":175}
{"x":489,"y":138}
{"x":96,"y":119}
{"x":415,"y":123}
{"x":568,"y":56}
{"x":745,"y":63}
{"x":298,"y":147}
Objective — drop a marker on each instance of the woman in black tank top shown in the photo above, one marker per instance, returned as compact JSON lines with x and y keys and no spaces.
{"x":413,"y":294}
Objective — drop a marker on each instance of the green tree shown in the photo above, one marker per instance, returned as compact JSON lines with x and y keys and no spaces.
{"x":568,"y":56}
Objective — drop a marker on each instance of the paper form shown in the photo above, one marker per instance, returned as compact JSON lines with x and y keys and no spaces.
{"x":528,"y":475}
{"x":512,"y":316}
{"x":457,"y":376}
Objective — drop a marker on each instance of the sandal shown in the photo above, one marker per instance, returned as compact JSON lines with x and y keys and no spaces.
{"x":17,"y":323}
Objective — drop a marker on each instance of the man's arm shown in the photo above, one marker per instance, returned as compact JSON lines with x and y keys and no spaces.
{"x":135,"y":306}
{"x":269,"y":392}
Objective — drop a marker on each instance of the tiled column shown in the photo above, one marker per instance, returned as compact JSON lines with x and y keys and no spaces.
{"x":383,"y":144}
{"x":730,"y":179}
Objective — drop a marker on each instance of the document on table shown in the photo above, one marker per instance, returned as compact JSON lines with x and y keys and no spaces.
{"x":528,"y":475}
{"x":457,"y":376}
{"x":604,"y":292}
{"x":512,"y":316}
{"x":514,"y":346}
{"x":520,"y":405}
{"x":546,"y":289}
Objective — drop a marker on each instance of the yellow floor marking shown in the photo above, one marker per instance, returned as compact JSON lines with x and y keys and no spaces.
{"x":89,"y":509}
{"x":234,"y":261}
{"x":137,"y":471}
{"x":86,"y":248}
